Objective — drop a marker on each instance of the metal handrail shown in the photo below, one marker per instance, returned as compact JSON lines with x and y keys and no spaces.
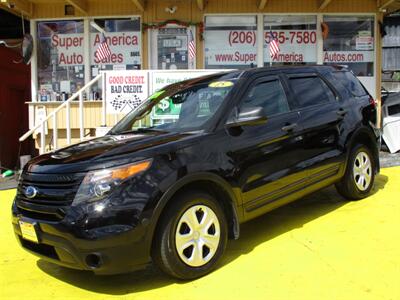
{"x":68,"y":126}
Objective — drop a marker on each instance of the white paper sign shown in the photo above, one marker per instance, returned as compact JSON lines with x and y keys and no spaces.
{"x":162,"y":79}
{"x":40,"y":115}
{"x":125,"y":90}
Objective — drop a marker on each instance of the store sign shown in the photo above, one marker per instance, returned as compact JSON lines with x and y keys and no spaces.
{"x":166,"y":109}
{"x":296,"y":46}
{"x":231,"y":47}
{"x":124,"y":46}
{"x":125,"y":90}
{"x":348,"y":56}
{"x":68,"y":49}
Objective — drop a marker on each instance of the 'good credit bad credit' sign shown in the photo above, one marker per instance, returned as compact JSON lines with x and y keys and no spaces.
{"x":125,"y":90}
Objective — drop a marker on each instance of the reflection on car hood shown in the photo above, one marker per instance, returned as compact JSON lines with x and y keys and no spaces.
{"x":103,"y":152}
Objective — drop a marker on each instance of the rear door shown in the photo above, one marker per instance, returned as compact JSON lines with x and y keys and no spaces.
{"x":321,"y":116}
{"x":266,"y":158}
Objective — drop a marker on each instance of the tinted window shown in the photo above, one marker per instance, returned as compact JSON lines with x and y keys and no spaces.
{"x":350,"y":82}
{"x":270,"y":95}
{"x":311,"y":90}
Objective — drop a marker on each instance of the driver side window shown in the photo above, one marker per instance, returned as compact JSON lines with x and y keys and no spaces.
{"x":270,"y":95}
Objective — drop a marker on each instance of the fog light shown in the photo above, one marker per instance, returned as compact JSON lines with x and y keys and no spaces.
{"x":93,"y":261}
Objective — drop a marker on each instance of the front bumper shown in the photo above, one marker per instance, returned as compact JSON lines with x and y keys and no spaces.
{"x":111,"y":253}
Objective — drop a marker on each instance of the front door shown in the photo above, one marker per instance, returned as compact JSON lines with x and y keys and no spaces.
{"x":267,"y":157}
{"x":172,"y":48}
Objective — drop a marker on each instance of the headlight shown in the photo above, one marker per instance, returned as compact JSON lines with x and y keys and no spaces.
{"x":97,"y":184}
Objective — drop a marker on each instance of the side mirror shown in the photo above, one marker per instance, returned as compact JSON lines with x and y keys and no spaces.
{"x":251,"y":116}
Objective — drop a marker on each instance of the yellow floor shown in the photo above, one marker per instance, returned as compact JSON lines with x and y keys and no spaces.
{"x":317,"y":248}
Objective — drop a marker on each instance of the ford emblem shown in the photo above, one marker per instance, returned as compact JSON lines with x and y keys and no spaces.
{"x":31,"y":192}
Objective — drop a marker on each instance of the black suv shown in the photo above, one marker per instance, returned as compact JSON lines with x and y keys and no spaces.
{"x":241,"y":144}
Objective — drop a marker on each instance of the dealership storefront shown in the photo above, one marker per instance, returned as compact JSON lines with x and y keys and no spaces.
{"x":191,"y":35}
{"x":66,"y":47}
{"x":65,"y":50}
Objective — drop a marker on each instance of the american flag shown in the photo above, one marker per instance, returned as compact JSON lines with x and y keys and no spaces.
{"x":192,"y":46}
{"x":273,"y":46}
{"x":103,"y":51}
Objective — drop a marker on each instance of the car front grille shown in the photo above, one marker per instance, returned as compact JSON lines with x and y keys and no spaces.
{"x":55,"y":193}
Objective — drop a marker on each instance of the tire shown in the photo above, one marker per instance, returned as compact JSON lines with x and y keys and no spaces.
{"x":177,"y":248}
{"x":359,"y":177}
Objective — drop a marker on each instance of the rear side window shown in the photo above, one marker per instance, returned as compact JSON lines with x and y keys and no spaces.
{"x":270,"y":95}
{"x":350,"y":82}
{"x":311,"y":91}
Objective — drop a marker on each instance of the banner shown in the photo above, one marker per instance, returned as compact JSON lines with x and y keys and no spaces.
{"x":125,"y":90}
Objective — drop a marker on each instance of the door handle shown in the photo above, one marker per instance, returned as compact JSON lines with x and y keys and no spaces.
{"x":341,"y":112}
{"x":289,"y":127}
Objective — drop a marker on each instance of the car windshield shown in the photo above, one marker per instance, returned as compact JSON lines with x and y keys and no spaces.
{"x":180,"y":107}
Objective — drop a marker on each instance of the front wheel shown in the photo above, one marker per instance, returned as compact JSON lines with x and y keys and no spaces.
{"x":191,"y":236}
{"x":359,"y":177}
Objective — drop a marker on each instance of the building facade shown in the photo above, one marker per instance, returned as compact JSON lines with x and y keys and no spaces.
{"x":196,"y":34}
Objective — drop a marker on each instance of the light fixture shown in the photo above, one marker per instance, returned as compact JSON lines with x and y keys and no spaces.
{"x":171,"y":9}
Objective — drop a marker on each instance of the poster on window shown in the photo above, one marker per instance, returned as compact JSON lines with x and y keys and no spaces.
{"x":125,"y":90}
{"x":166,"y":109}
{"x":230,"y":47}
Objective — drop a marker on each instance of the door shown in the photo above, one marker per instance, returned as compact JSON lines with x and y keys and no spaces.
{"x":266,"y":157}
{"x":13,"y":120}
{"x":172,"y":48}
{"x":321,"y":116}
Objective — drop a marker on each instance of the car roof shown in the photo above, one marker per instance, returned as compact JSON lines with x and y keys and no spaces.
{"x":293,"y":69}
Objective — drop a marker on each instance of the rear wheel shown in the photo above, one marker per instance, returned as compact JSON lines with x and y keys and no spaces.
{"x":191,"y":236}
{"x":359,"y":177}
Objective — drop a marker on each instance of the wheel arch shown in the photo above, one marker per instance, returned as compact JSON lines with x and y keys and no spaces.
{"x":208,"y":182}
{"x":365,"y":136}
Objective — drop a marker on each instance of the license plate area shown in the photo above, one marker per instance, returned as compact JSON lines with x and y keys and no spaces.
{"x":28,"y":231}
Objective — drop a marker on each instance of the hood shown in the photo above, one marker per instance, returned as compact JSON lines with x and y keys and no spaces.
{"x":106,"y":151}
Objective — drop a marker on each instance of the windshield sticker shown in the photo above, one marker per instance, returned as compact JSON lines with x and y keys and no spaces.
{"x":156,"y":95}
{"x":220,"y":84}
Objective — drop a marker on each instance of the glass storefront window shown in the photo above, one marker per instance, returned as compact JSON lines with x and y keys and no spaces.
{"x":230,"y":42}
{"x":297,"y":37}
{"x":124,"y":39}
{"x":349,"y":40}
{"x":60,"y":59}
{"x":172,"y":45}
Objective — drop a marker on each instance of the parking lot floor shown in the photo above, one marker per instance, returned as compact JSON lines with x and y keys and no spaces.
{"x":320,"y":247}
